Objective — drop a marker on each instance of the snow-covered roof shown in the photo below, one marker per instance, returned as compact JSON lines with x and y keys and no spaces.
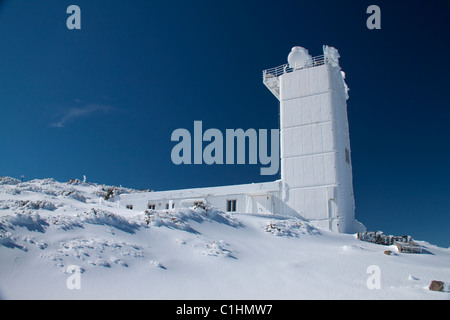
{"x":252,"y":188}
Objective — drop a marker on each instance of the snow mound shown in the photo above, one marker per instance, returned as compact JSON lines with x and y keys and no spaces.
{"x":9,"y":241}
{"x":92,"y":252}
{"x":291,"y":228}
{"x":32,"y":221}
{"x":74,"y":188}
{"x":29,"y":220}
{"x":27,"y":205}
{"x":9,"y":181}
{"x":217,"y":249}
{"x":107,"y":218}
{"x":180,"y":218}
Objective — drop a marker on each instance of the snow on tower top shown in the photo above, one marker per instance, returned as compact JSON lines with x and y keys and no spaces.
{"x":298,"y":58}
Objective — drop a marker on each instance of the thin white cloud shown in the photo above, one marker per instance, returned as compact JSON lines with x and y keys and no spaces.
{"x":75,"y":113}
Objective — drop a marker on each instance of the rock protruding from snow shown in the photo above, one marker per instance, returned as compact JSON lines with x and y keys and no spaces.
{"x":436,"y":285}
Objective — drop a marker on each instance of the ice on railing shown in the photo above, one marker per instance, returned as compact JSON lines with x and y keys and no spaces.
{"x":299,"y":58}
{"x":275,"y":72}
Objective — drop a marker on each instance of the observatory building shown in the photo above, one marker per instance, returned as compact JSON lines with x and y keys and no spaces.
{"x":316,"y":168}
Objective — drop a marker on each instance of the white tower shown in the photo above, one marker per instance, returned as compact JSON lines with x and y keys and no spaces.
{"x":316,"y":169}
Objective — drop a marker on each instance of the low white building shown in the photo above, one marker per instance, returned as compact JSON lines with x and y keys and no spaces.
{"x":316,"y":170}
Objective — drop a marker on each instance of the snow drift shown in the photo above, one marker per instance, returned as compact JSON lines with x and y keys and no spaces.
{"x":48,"y":229}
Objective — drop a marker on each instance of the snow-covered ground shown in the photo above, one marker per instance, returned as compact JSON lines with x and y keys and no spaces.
{"x":60,"y":241}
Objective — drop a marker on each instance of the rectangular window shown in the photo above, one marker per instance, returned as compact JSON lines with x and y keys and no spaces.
{"x":167,"y":206}
{"x":130,"y":206}
{"x":151,"y":206}
{"x":231,"y":205}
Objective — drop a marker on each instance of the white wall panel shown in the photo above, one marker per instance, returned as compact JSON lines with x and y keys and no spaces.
{"x":316,"y":130}
{"x":327,"y":137}
{"x":329,"y":168}
{"x":306,"y":136}
{"x":319,"y":169}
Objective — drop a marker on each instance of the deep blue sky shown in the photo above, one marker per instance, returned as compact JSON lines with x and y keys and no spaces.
{"x":103,"y":101}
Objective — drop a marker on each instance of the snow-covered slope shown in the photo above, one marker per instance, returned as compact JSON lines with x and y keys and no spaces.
{"x":50,"y":231}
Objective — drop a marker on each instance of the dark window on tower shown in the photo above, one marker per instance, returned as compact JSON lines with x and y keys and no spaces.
{"x":347,"y":156}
